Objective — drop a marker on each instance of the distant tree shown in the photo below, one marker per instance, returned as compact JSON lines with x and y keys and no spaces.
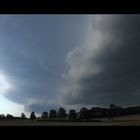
{"x":112,"y":106}
{"x":9,"y":117}
{"x":84,"y":113}
{"x":32,"y":116}
{"x":2,"y":116}
{"x":52,"y":114}
{"x":98,"y":112}
{"x":38,"y":118}
{"x":72,"y":114}
{"x":118,"y":110}
{"x":61,"y":113}
{"x":44,"y":115}
{"x":23,"y":116}
{"x":91,"y":113}
{"x":112,"y":111}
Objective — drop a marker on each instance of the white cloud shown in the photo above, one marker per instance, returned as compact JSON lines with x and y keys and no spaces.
{"x":5,"y":85}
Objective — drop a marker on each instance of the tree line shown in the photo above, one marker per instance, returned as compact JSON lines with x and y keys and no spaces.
{"x":83,"y":114}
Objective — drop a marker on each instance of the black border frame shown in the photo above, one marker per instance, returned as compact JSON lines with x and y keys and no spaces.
{"x":69,"y":7}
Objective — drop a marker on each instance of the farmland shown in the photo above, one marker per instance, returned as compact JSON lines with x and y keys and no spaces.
{"x":128,"y":120}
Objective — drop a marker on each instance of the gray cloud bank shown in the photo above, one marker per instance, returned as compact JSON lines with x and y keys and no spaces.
{"x":107,"y":69}
{"x":104,"y":70}
{"x":33,"y":49}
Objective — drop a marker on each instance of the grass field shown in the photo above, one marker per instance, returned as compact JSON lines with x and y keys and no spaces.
{"x":126,"y":118}
{"x":129,"y":120}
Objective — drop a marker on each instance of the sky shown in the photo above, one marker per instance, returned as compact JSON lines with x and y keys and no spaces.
{"x":70,"y":61}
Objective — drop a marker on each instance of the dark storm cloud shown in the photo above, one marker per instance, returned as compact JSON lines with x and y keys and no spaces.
{"x":107,"y":70}
{"x":40,"y":107}
{"x":32,"y":54}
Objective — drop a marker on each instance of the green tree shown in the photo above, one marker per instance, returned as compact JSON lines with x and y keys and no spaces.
{"x":112,"y":106}
{"x":84,"y":113}
{"x":32,"y":116}
{"x":9,"y":117}
{"x":23,"y":116}
{"x":112,"y":111}
{"x":2,"y":116}
{"x":72,"y":114}
{"x":52,"y":114}
{"x":61,"y":113}
{"x":44,"y":115}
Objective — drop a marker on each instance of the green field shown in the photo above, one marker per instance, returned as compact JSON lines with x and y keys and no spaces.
{"x":125,"y":118}
{"x":129,"y":120}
